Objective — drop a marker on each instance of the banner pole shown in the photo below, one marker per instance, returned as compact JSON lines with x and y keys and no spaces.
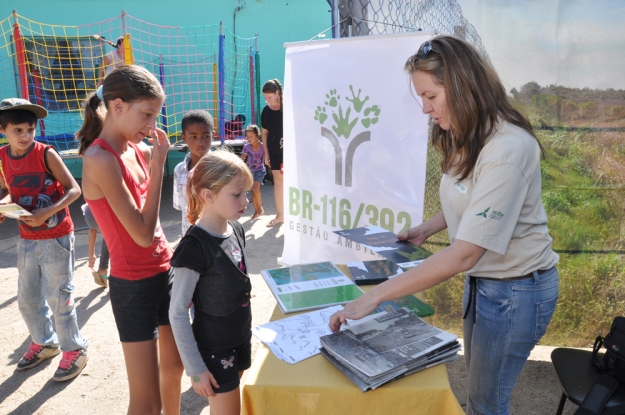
{"x":222,"y":81}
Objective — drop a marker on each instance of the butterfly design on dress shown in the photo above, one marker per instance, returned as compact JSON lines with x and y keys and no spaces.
{"x":228,"y":363}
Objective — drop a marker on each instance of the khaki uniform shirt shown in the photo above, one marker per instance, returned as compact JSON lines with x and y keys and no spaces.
{"x":499,"y":207}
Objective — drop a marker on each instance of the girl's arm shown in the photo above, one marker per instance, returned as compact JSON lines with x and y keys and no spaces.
{"x":264,"y":134}
{"x":460,"y":256}
{"x":140,"y":223}
{"x":102,"y":71}
{"x":92,"y":237}
{"x":62,"y":175}
{"x":185,"y":281}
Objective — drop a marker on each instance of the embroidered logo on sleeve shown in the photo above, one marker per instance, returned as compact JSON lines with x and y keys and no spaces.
{"x":484,"y":213}
{"x":493,"y":215}
{"x":496,"y":215}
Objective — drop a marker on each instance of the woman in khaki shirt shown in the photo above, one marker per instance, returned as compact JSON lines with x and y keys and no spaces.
{"x":490,"y":194}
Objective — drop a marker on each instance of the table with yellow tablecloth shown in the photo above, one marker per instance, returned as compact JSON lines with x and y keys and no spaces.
{"x":315,"y":386}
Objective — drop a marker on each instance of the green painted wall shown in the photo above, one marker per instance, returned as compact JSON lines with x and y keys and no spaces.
{"x":275,"y":21}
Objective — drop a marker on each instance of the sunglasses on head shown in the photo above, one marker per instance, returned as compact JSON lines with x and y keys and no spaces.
{"x":425,"y":49}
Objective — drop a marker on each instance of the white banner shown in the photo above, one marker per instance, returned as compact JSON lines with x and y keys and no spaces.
{"x":355,"y":144}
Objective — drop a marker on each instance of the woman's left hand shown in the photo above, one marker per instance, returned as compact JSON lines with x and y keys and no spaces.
{"x":355,"y":310}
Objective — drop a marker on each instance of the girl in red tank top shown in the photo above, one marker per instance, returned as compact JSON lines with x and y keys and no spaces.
{"x":121,"y":182}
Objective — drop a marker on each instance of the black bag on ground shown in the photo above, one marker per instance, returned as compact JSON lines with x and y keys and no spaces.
{"x":613,"y":362}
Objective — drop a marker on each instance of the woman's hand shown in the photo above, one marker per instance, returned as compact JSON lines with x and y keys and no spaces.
{"x":204,"y":383}
{"x":355,"y":310}
{"x":267,"y":161}
{"x":160,"y":145}
{"x":415,"y":235}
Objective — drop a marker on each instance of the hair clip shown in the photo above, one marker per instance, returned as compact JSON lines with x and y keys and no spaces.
{"x":99,"y":93}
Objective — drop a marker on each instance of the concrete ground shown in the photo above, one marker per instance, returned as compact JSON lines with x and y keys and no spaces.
{"x":102,"y":388}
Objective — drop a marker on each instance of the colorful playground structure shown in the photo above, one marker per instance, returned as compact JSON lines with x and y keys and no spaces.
{"x":200,"y":67}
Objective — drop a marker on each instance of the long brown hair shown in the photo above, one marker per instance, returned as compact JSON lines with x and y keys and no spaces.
{"x":130,"y":83}
{"x":213,"y":171}
{"x":476,"y":101}
{"x":272,"y":86}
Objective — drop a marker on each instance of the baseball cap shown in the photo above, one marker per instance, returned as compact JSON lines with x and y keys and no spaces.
{"x":11,"y":104}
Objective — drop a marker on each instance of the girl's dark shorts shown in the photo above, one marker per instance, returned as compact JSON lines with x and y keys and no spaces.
{"x":225,"y":365}
{"x":140,"y":306}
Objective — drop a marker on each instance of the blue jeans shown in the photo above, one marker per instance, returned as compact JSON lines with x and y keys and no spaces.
{"x":45,"y":287}
{"x":510,"y":318}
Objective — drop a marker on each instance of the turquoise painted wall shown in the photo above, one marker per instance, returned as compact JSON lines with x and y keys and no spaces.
{"x":275,"y":21}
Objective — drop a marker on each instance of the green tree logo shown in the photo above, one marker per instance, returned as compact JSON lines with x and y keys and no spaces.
{"x":343,"y":126}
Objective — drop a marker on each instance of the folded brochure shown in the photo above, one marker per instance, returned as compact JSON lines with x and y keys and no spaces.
{"x":385,"y":243}
{"x":310,"y":286}
{"x":373,"y":272}
{"x":14,"y":211}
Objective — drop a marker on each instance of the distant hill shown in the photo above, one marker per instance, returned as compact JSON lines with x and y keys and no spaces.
{"x":560,"y":105}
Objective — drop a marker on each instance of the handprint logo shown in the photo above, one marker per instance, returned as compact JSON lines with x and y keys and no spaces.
{"x":343,"y":126}
{"x":320,"y":114}
{"x":332,"y":98}
{"x":356,"y":102}
{"x":372,"y":114}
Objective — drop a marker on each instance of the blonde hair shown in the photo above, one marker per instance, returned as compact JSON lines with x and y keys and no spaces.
{"x":214,"y":171}
{"x":476,"y":100}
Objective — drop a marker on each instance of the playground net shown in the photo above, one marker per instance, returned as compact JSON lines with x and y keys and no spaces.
{"x":199,"y":67}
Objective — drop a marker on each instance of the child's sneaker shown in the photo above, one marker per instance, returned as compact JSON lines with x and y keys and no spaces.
{"x":36,"y":354}
{"x":71,"y":365}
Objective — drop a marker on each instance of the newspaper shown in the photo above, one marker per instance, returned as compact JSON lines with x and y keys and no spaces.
{"x":296,"y":338}
{"x":388,"y":345}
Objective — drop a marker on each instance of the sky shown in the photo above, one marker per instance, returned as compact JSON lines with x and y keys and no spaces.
{"x":573,"y":43}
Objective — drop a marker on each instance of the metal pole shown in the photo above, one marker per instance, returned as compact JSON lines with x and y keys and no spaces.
{"x":123,"y":22}
{"x":20,"y":53}
{"x":337,"y":19}
{"x":222,"y":81}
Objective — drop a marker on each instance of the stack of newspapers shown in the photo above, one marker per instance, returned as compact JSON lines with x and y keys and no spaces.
{"x":387,"y":346}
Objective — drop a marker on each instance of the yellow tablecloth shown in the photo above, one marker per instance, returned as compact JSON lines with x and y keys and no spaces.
{"x":314,"y":386}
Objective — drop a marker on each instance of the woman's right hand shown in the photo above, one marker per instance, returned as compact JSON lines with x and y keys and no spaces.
{"x":204,"y":383}
{"x":415,"y":235}
{"x":160,"y":145}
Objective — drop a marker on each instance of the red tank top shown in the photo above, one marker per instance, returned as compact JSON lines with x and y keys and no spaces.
{"x":32,"y":186}
{"x":130,"y":261}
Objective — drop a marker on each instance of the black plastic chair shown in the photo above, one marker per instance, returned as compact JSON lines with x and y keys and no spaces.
{"x":577,"y":373}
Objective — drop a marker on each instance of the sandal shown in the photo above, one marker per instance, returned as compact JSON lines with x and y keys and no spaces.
{"x":102,"y":281}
